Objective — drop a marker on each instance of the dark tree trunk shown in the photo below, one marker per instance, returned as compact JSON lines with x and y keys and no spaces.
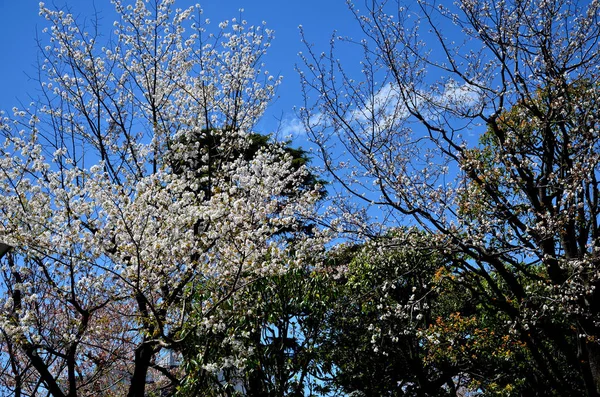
{"x":143,"y":357}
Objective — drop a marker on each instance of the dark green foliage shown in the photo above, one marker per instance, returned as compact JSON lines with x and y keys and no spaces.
{"x":274,"y":325}
{"x":213,"y":148}
{"x":372,"y":330}
{"x":390,"y":318}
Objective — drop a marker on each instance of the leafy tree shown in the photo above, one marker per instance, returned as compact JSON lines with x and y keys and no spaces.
{"x":268,"y":341}
{"x":113,"y":237}
{"x":265,"y":344}
{"x":401,"y":324}
{"x":520,"y":213}
{"x":371,"y":335}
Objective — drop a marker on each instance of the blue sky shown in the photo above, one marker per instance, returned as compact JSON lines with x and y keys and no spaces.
{"x":20,"y":22}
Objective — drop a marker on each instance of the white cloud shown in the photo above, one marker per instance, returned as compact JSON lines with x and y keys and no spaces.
{"x":462,"y":95}
{"x":292,"y":127}
{"x":387,"y":106}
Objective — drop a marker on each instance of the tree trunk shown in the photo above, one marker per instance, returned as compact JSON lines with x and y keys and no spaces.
{"x":143,"y":357}
{"x":593,"y":357}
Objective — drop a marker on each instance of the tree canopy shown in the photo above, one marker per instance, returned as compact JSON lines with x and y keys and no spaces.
{"x":155,"y":243}
{"x":518,"y":212}
{"x":125,"y":201}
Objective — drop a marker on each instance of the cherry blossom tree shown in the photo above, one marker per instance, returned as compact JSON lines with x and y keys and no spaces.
{"x":122,"y":199}
{"x":518,"y":208}
{"x":242,"y":348}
